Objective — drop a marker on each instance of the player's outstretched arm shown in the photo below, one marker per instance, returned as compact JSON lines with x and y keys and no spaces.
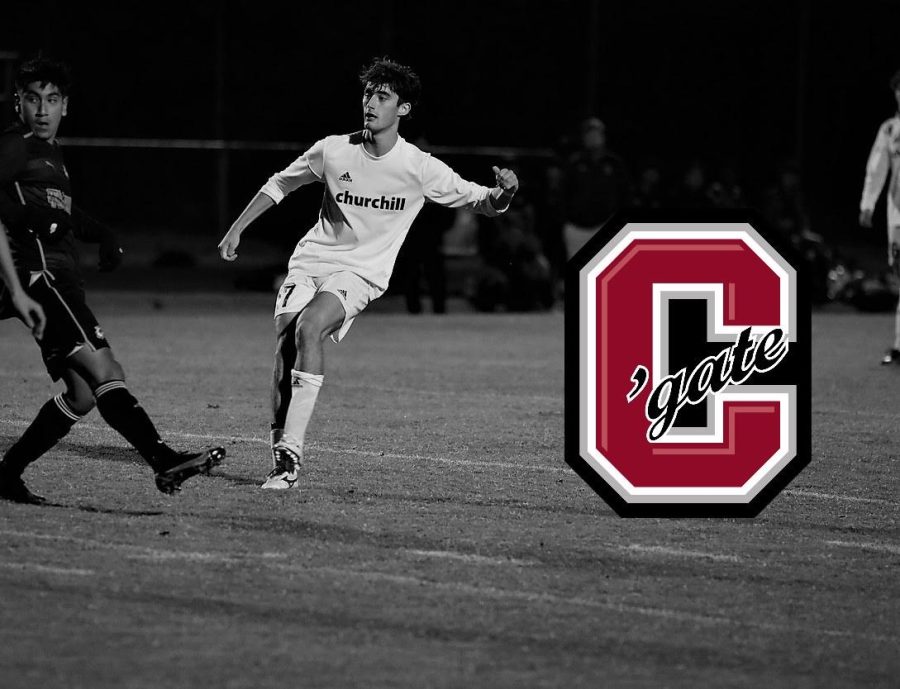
{"x":505,"y":188}
{"x":229,"y":244}
{"x":30,"y":311}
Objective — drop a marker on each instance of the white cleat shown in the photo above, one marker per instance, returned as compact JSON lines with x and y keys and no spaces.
{"x":286,"y":471}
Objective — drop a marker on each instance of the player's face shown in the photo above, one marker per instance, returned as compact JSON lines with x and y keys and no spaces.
{"x":382,"y":108}
{"x":42,"y":108}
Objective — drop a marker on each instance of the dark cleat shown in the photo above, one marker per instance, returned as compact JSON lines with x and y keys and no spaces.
{"x":14,"y":489}
{"x":892,"y":357}
{"x":181,"y":466}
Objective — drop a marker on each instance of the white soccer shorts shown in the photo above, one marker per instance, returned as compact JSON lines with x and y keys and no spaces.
{"x":354,"y":292}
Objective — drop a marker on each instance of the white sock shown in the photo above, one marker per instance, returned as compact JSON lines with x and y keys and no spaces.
{"x":304,"y":391}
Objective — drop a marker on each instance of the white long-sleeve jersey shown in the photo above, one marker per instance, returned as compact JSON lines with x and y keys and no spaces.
{"x":885,"y":156}
{"x":369,"y":204}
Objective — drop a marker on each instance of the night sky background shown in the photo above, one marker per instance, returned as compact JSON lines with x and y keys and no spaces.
{"x":735,"y":82}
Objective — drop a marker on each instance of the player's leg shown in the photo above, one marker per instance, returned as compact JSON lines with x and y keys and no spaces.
{"x":74,"y":342}
{"x":293,"y":296}
{"x":124,"y":414}
{"x":285,"y":357}
{"x":337,"y":301}
{"x":57,"y":416}
{"x":893,"y":354}
{"x":304,"y":337}
{"x":54,"y":420}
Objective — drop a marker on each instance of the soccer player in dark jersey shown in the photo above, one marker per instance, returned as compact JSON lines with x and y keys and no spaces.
{"x":36,"y":207}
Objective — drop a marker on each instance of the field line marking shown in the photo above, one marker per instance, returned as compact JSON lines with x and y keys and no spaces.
{"x":556,"y":399}
{"x":831,"y":496}
{"x":891,"y":548}
{"x":678,"y":552}
{"x":317,"y":447}
{"x":469,"y":557}
{"x":46,"y":569}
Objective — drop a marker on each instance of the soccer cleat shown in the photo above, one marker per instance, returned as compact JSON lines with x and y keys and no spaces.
{"x":14,"y":489}
{"x":891,"y":357}
{"x":183,"y":465}
{"x":286,"y":471}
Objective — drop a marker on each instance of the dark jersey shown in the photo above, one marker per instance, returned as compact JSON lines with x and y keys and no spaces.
{"x":32,"y":173}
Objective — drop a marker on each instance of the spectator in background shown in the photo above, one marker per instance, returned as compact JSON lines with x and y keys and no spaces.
{"x":550,"y":211}
{"x":783,"y":204}
{"x":596,"y":185}
{"x":516,"y":274}
{"x":694,"y":191}
{"x":421,"y":258}
{"x":726,"y":191}
{"x":885,"y":157}
{"x":650,"y":191}
{"x":785,"y":212}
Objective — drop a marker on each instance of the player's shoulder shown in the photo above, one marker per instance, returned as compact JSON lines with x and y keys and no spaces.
{"x":16,"y":133}
{"x":413,"y":152}
{"x":14,"y":140}
{"x":339,"y":144}
{"x":339,"y":141}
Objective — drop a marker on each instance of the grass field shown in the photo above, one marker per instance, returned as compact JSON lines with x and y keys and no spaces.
{"x":439,"y":538}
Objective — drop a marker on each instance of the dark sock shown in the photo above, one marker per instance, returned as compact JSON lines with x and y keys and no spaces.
{"x":123,"y":412}
{"x":52,"y":422}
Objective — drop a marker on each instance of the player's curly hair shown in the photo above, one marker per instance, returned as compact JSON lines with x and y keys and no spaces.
{"x":44,"y":71}
{"x":401,"y":79}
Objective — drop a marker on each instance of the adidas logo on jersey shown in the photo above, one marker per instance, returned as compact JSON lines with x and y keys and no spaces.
{"x":395,"y":203}
{"x":345,"y":177}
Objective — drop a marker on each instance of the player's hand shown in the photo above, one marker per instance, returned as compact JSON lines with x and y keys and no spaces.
{"x":865,"y":218}
{"x":229,"y":245}
{"x":506,"y":180}
{"x":31,"y":313}
{"x":47,"y":223}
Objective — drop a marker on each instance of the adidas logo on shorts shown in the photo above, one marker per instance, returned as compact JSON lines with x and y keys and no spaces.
{"x":343,"y":293}
{"x":345,"y":177}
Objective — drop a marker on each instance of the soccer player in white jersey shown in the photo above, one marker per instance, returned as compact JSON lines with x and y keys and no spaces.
{"x":375,"y":184}
{"x":885,"y":158}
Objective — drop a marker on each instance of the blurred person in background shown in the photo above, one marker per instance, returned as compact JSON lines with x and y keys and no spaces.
{"x":694,"y":189}
{"x":884,"y":162}
{"x":650,"y":191}
{"x":726,"y":190}
{"x":516,"y":274}
{"x":785,"y":211}
{"x":595,"y":185}
{"x":421,"y":258}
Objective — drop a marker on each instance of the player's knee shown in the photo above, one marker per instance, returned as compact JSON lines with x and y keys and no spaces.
{"x":81,"y":400}
{"x":108,"y":369}
{"x":310,"y":329}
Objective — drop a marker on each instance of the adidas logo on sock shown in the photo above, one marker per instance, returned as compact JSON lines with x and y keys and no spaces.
{"x":345,"y":177}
